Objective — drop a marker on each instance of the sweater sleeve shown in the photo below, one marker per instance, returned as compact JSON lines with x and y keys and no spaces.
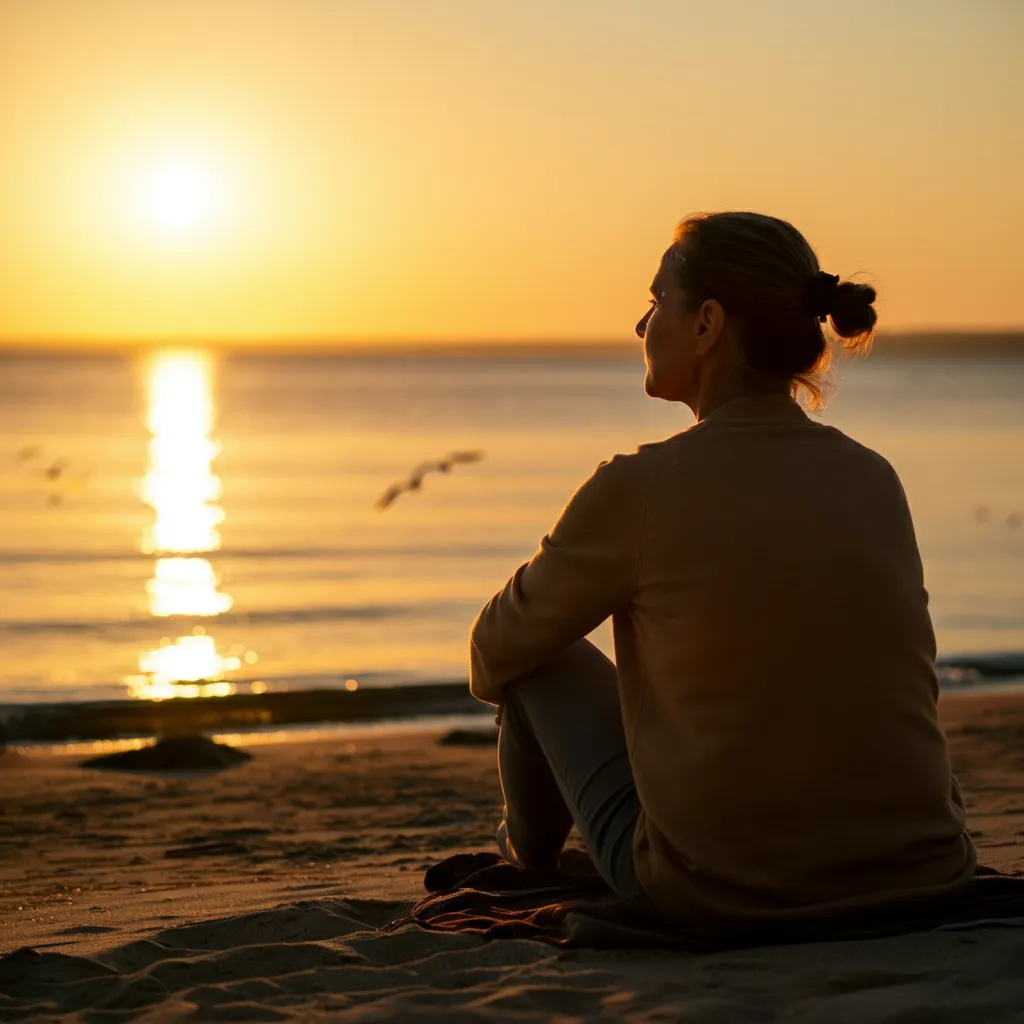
{"x":585,"y":569}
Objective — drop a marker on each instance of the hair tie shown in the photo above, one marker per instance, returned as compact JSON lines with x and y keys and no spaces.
{"x":820,"y":294}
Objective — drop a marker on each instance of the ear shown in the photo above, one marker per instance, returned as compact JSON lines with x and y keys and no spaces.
{"x":708,"y":325}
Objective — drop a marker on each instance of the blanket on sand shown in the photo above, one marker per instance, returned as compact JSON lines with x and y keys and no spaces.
{"x":482,"y":894}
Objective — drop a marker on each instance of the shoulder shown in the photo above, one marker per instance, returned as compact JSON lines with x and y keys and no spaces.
{"x":862,"y":464}
{"x":854,"y":449}
{"x":620,"y":486}
{"x":652,"y":459}
{"x":634,"y":475}
{"x":635,"y":470}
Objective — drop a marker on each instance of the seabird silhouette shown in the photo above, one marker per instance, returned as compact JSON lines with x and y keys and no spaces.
{"x":414,"y":481}
{"x":55,"y":469}
{"x":29,"y":452}
{"x":69,"y":483}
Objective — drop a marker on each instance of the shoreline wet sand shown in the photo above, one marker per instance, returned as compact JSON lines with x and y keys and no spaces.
{"x":58,"y":722}
{"x":116,"y":719}
{"x":96,"y":861}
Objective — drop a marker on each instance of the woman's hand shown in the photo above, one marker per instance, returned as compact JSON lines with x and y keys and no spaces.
{"x":497,"y":714}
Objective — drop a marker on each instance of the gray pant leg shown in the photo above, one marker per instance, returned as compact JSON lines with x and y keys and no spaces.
{"x":562,"y":758}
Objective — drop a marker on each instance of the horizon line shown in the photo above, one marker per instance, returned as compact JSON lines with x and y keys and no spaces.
{"x":1009,"y":337}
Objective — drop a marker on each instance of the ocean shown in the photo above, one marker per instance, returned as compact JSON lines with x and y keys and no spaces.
{"x":183,"y":523}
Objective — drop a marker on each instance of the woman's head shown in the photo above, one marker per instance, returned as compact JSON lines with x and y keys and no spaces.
{"x":739,"y":300}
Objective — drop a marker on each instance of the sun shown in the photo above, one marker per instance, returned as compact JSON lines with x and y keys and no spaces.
{"x":178,"y":196}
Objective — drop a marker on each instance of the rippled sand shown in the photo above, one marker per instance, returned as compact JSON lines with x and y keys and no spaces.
{"x":255,"y":893}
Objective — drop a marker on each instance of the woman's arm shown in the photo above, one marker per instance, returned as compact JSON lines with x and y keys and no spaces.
{"x":585,"y":568}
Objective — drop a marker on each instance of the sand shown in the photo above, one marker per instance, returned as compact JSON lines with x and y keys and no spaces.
{"x":255,"y":893}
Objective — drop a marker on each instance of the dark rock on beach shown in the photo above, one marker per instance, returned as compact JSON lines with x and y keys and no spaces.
{"x":172,"y":754}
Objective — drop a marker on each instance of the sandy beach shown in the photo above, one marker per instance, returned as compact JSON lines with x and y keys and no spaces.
{"x":255,"y":893}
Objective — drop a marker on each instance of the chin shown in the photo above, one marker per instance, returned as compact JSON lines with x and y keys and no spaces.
{"x":652,"y":390}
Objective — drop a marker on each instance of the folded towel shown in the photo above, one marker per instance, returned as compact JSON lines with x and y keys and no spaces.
{"x":485,"y":895}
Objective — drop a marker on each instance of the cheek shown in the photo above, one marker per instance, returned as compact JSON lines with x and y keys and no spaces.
{"x":661,"y":344}
{"x":669,"y":362}
{"x":654,"y":342}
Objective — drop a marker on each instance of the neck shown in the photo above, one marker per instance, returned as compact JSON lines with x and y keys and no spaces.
{"x":716,"y":390}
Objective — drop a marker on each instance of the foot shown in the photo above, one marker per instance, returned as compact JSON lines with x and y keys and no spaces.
{"x":505,"y":845}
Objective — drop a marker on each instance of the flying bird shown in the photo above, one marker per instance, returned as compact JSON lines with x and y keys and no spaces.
{"x":414,"y":481}
{"x":71,"y":483}
{"x":55,"y":469}
{"x":29,"y":452}
{"x":62,"y":483}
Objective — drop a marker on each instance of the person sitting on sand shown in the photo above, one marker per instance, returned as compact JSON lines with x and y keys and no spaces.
{"x":767,"y":741}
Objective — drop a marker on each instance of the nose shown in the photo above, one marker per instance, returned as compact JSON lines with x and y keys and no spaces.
{"x":641,"y":327}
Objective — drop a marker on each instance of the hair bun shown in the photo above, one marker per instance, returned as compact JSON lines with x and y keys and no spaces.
{"x":852,"y":313}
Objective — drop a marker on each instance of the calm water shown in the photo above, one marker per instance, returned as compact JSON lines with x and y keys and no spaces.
{"x":183,"y":525}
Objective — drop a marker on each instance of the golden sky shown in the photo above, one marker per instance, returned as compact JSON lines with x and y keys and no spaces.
{"x":491,"y":169}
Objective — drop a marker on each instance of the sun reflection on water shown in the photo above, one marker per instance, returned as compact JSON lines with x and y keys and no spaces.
{"x":185,"y":586}
{"x":183,"y":491}
{"x":189,"y":667}
{"x":180,"y":485}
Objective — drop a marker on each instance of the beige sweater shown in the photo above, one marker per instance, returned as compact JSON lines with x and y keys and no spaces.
{"x":775,"y":658}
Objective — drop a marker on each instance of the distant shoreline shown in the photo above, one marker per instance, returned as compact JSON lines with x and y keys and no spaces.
{"x":953,"y":344}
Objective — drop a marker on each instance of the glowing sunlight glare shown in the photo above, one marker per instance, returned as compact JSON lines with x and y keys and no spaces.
{"x":178,"y":196}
